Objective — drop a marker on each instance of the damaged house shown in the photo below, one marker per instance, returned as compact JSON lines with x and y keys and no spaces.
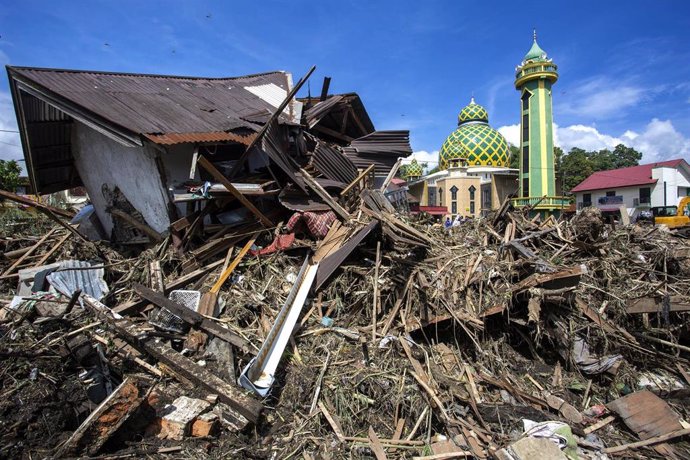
{"x":133,"y":141}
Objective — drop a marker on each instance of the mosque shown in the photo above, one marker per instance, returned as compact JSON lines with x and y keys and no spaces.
{"x":474,"y":174}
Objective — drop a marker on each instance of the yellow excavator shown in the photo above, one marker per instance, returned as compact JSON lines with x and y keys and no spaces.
{"x":674,"y":217}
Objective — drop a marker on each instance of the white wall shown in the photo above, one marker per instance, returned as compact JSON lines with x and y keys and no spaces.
{"x":629,"y":195}
{"x":101,"y":160}
{"x":676,"y":182}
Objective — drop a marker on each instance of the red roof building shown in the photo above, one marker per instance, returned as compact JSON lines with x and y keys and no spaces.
{"x":637,"y":188}
{"x":625,"y":177}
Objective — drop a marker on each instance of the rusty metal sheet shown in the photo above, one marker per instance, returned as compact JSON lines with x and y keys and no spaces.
{"x":213,"y":136}
{"x":158,"y":103}
{"x":333,"y":164}
{"x":380,"y":148}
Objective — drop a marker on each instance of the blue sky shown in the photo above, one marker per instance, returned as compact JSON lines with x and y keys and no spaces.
{"x":624,"y":65}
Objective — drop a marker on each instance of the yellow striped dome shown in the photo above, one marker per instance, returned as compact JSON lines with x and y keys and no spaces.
{"x":475,"y":141}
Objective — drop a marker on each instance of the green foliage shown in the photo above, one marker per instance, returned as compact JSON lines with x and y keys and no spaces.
{"x":9,"y":175}
{"x":514,"y":156}
{"x":578,"y":164}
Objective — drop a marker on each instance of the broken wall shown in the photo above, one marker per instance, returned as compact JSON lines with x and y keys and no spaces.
{"x":102,"y":161}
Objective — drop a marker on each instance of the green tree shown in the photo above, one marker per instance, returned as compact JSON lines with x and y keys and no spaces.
{"x":9,"y":175}
{"x":575,"y":167}
{"x":514,"y":156}
{"x":579,"y":164}
{"x":624,"y":157}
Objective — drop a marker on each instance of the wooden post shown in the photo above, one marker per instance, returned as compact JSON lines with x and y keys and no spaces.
{"x":208,"y":166}
{"x":376,"y":291}
{"x":311,"y":182}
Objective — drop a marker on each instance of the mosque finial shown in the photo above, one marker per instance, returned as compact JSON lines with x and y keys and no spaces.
{"x":534,"y":34}
{"x":472,"y":98}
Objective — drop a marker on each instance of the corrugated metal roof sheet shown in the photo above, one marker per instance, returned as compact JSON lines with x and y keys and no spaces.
{"x":214,"y":136}
{"x":380,"y":148}
{"x":332,"y":163}
{"x":155,"y":104}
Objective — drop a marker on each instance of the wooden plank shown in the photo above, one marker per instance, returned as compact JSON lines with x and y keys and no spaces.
{"x":208,"y":301}
{"x":274,"y":116}
{"x":191,"y":317}
{"x":103,"y":421}
{"x":236,"y":398}
{"x":646,"y":414}
{"x":361,"y":176}
{"x":601,"y":321}
{"x":25,"y":201}
{"x":323,"y":194}
{"x":376,"y":446}
{"x":390,"y":176}
{"x":133,"y":305}
{"x":208,"y":166}
{"x":151,"y":233}
{"x":652,"y":305}
{"x":647,"y":442}
{"x":374,"y":310}
{"x":563,"y":278}
{"x":52,"y":251}
{"x":28,"y":253}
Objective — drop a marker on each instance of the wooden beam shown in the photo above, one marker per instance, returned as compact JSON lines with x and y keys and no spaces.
{"x":334,"y":133}
{"x":133,"y":305}
{"x":151,"y":233}
{"x":361,"y":176}
{"x":191,"y":317}
{"x":390,"y":176}
{"x":236,"y":398}
{"x":52,"y":251}
{"x":323,"y":194}
{"x":652,"y":305}
{"x":25,"y":201}
{"x":276,"y":114}
{"x":31,"y":250}
{"x":208,"y":166}
{"x":359,"y":123}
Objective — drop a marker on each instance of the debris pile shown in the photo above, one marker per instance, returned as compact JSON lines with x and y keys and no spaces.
{"x":294,"y":313}
{"x":503,"y":336}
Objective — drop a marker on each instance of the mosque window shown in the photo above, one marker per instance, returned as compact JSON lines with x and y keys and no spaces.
{"x":525,"y":187}
{"x":471,"y":207}
{"x":454,"y":207}
{"x":525,"y":128}
{"x":525,"y":158}
{"x":440,"y":197}
{"x":454,"y":192}
{"x":472,"y":189}
{"x":525,"y":100}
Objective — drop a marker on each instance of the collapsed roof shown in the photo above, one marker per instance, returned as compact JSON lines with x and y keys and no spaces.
{"x":135,"y":109}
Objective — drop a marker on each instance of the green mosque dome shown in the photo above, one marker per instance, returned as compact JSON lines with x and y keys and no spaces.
{"x":535,"y":53}
{"x":473,"y":112}
{"x":475,"y":141}
{"x":414,"y":169}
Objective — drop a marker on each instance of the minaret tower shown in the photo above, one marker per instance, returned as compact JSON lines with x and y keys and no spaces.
{"x":533,"y":78}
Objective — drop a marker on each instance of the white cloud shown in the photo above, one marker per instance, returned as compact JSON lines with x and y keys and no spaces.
{"x":511,"y":133}
{"x":659,"y":140}
{"x":600,"y":98}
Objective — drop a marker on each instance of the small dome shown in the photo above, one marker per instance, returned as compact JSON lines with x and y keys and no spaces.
{"x":475,"y":141}
{"x":414,"y":169}
{"x":473,"y":112}
{"x":535,"y":53}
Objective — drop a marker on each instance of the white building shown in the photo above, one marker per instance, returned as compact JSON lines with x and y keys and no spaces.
{"x":638,"y":188}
